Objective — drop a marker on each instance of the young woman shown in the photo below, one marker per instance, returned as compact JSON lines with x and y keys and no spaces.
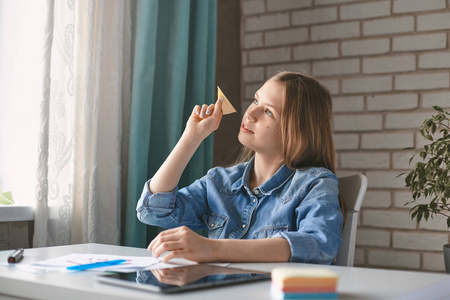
{"x":280,"y":203}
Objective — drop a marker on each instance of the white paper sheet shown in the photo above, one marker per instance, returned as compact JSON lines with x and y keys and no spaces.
{"x":132,"y":264}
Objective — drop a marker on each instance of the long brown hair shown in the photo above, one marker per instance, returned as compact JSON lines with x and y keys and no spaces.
{"x":306,"y":132}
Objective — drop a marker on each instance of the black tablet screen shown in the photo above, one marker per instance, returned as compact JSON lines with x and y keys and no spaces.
{"x":188,"y":278}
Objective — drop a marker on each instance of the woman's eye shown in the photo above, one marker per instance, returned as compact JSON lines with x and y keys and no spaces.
{"x":268,"y":112}
{"x":255,"y":101}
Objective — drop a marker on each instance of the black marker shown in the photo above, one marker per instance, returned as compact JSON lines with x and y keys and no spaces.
{"x":16,"y":256}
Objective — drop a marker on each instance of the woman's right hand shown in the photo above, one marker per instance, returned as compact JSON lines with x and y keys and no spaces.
{"x":204,"y":120}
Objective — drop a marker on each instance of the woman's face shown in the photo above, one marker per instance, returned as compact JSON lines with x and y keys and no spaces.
{"x":261,"y":125}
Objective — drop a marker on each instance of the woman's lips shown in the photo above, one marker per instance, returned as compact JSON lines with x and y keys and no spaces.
{"x":245,"y":129}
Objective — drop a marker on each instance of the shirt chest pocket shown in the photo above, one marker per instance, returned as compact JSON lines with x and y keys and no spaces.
{"x":215,"y":223}
{"x":269,"y":231}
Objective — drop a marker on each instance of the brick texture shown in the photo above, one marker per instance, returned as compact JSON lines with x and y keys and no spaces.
{"x":377,"y":199}
{"x":394,"y":260}
{"x":365,"y":47}
{"x":369,"y":9}
{"x":386,"y":63}
{"x":405,"y":6}
{"x":314,"y":16}
{"x":433,"y":262}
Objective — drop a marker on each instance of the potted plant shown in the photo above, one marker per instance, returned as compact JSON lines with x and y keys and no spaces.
{"x":430,"y":179}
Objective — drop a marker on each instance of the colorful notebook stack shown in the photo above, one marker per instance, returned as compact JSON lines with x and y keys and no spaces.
{"x":303,"y":283}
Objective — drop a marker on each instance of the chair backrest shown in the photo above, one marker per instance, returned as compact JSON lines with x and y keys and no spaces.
{"x":352,"y":190}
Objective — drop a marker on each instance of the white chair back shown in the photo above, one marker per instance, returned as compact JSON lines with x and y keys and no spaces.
{"x":352,"y":190}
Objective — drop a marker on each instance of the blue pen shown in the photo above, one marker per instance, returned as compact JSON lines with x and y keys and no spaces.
{"x":97,"y":265}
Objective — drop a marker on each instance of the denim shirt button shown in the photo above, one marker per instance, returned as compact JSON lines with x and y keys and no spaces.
{"x":256,"y":191}
{"x":243,"y":225}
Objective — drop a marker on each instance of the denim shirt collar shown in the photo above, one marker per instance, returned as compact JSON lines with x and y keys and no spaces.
{"x":280,"y":176}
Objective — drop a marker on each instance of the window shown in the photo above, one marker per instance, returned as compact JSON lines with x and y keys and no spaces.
{"x":21,"y":41}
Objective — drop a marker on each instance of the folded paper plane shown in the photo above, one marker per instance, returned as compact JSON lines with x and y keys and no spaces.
{"x":227,"y":107}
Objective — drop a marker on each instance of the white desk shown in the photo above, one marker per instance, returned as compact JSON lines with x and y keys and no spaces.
{"x":354,"y":283}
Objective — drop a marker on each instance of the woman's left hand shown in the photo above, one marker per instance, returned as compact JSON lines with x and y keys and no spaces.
{"x":183,"y":242}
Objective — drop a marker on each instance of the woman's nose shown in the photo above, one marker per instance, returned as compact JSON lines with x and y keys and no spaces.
{"x":251,"y":114}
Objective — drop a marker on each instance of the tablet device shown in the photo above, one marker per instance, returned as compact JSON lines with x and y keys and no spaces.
{"x":183,"y":278}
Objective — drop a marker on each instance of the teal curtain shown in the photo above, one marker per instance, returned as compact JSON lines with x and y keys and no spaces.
{"x":174,"y":69}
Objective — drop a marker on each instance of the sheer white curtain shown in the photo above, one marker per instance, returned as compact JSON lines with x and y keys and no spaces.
{"x":86,"y":87}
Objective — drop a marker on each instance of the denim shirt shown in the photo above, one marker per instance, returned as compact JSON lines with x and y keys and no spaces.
{"x":301,"y":206}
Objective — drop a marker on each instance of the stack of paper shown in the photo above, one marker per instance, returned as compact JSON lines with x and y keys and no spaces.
{"x":132,"y":264}
{"x":303,"y":283}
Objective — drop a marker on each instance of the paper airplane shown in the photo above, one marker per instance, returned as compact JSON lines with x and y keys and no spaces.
{"x":227,"y":107}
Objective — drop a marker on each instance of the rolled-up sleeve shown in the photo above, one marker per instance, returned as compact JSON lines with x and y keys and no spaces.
{"x":174,"y":208}
{"x":319,"y":221}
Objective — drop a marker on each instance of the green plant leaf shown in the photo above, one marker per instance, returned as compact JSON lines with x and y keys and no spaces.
{"x":430,"y":178}
{"x":438,"y":108}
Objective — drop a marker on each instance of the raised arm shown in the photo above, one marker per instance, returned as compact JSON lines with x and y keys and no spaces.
{"x":202,"y":122}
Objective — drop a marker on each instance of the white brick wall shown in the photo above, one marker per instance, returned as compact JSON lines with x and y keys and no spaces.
{"x":377,"y":199}
{"x":388,"y":26}
{"x":434,"y":60}
{"x":367,"y":84}
{"x":294,"y":67}
{"x":429,"y":41}
{"x":386,"y":63}
{"x":397,"y":259}
{"x":433,"y":262}
{"x":391,"y":102}
{"x":436,"y":98}
{"x":325,"y":2}
{"x":405,"y":6}
{"x":365,"y":160}
{"x":316,"y":51}
{"x":252,"y":74}
{"x":359,"y":256}
{"x":374,"y":238}
{"x":358,"y":122}
{"x":365,"y":47}
{"x":269,"y":55}
{"x":271,"y":21}
{"x":332,"y":85}
{"x":405,"y":120}
{"x":418,"y":241}
{"x":433,"y":21}
{"x":422,"y":81}
{"x":253,"y":40}
{"x":314,"y":16}
{"x":346,"y":141}
{"x":334,"y":31}
{"x":437,"y":223}
{"x":348,"y":104}
{"x":276,"y":5}
{"x":387,"y":141}
{"x":285,"y":37}
{"x":387,"y":219}
{"x":401,"y":198}
{"x":335,"y":67}
{"x":400,"y":160}
{"x":384,"y":179}
{"x":253,"y":7}
{"x":397,"y":63}
{"x":365,"y":10}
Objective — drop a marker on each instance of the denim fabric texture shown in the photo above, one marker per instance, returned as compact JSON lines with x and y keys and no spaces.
{"x":301,"y":206}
